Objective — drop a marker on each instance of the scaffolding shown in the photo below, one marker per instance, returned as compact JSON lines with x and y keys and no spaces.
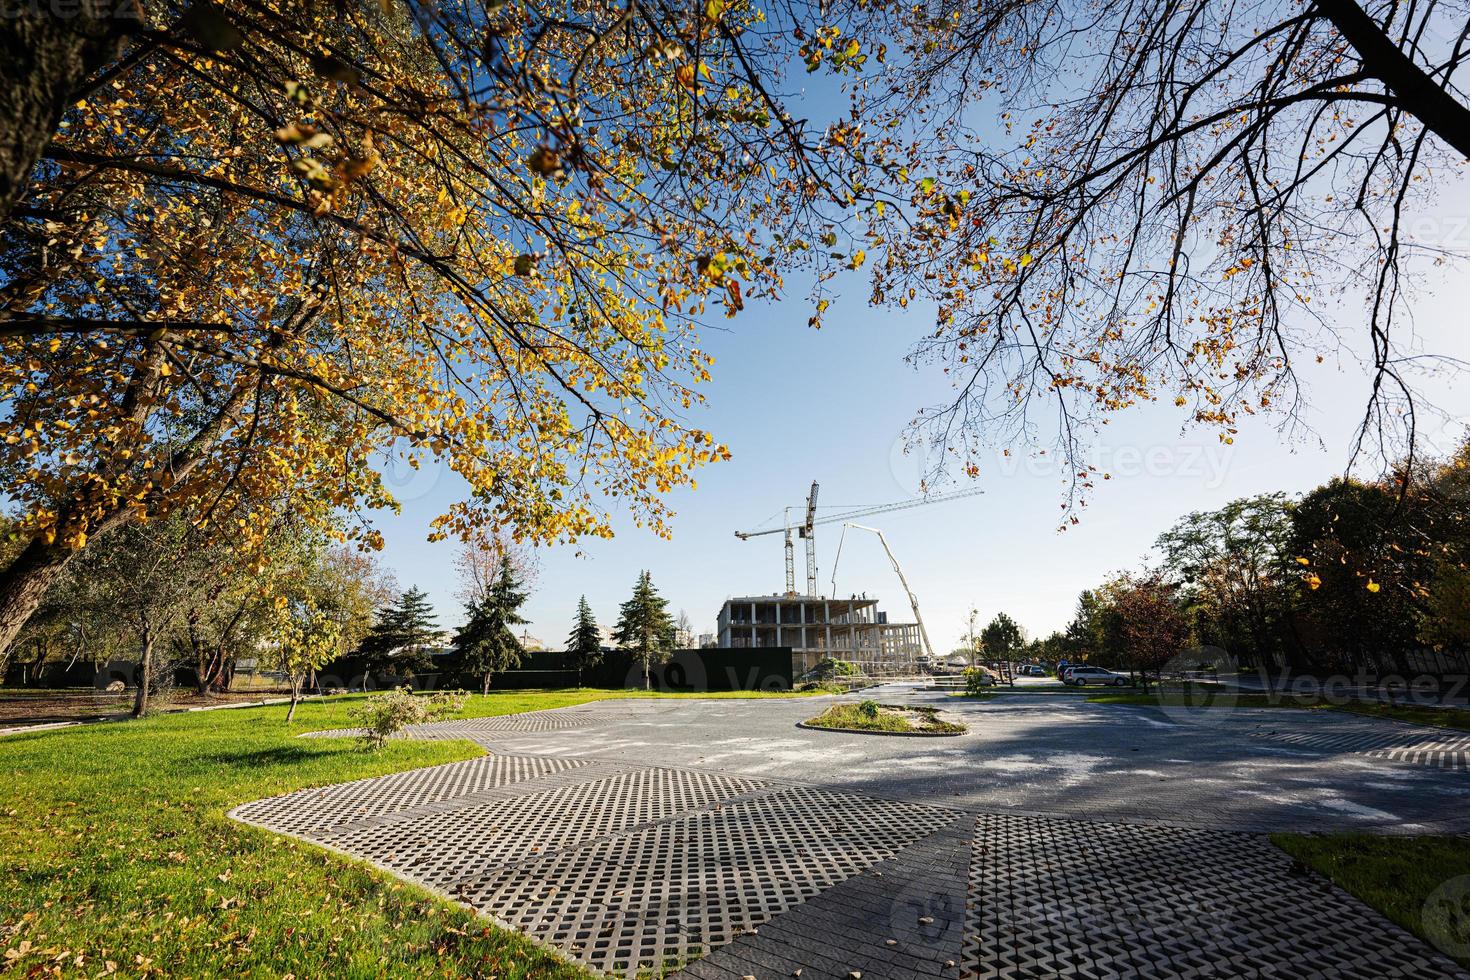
{"x":816,"y":627}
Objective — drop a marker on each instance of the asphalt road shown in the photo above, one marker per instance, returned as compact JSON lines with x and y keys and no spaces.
{"x":1054,"y":755}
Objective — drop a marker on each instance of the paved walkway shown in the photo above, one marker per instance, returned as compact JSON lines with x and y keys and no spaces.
{"x":1057,"y":839}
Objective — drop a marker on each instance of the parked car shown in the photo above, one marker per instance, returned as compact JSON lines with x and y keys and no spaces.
{"x":1033,"y":670}
{"x":1082,"y":675}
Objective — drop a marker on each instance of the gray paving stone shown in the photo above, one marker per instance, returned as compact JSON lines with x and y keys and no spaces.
{"x":1398,"y":743}
{"x":755,"y":849}
{"x":1051,"y":897}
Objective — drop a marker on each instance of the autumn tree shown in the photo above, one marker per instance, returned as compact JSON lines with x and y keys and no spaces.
{"x":487,"y":644}
{"x":480,"y":558}
{"x":1144,"y":626}
{"x":1445,"y":619}
{"x":644,"y":627}
{"x":316,"y":600}
{"x":1238,"y":576}
{"x":683,"y":630}
{"x":263,"y":248}
{"x":1116,"y":203}
{"x":136,"y":583}
{"x":584,"y":644}
{"x":1363,"y":559}
{"x":1444,"y":612}
{"x":350,"y":585}
{"x":304,"y":637}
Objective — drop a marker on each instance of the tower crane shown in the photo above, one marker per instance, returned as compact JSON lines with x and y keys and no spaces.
{"x":913,"y":599}
{"x":806,"y":528}
{"x":809,"y":537}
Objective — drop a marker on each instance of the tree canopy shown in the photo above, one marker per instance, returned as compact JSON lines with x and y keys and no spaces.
{"x":265,"y":246}
{"x":1001,"y":637}
{"x":1117,"y":203}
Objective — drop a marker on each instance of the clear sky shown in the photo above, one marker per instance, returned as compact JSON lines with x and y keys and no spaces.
{"x":796,"y":404}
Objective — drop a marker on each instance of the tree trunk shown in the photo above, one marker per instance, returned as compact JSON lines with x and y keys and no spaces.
{"x":204,"y":658}
{"x":1422,"y":95}
{"x":295,"y":697}
{"x":24,"y":582}
{"x":145,"y":678}
{"x":485,"y":683}
{"x":46,"y":53}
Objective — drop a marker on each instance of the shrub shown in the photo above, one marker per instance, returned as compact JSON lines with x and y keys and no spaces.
{"x":384,"y":715}
{"x":977,"y":679}
{"x":830,"y":668}
{"x":869,"y":709}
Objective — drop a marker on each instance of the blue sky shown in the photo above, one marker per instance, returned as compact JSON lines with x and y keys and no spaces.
{"x":796,"y":404}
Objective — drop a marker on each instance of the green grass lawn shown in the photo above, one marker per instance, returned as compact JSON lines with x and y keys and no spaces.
{"x":1395,"y":875}
{"x":115,"y":853}
{"x":1455,"y":718}
{"x":1201,"y":699}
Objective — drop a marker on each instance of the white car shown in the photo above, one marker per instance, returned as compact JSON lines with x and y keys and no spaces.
{"x":1083,"y":675}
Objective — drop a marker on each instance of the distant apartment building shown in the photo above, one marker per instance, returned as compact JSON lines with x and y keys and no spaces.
{"x":816,"y":627}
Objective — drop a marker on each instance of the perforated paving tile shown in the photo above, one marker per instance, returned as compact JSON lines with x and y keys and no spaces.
{"x":663,"y":894}
{"x":526,"y":722}
{"x":1425,"y":747}
{"x":1058,"y":897}
{"x":444,"y":846}
{"x":529,"y":721}
{"x":901,"y":917}
{"x":313,"y":812}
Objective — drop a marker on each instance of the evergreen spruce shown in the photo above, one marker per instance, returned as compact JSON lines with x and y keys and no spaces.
{"x":486,"y":644}
{"x":584,"y":645}
{"x":644,"y":626}
{"x":400,"y":638}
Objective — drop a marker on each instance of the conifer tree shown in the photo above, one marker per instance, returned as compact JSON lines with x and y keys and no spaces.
{"x":487,"y":644}
{"x":644,"y":626}
{"x":584,"y":645}
{"x":402,"y":634}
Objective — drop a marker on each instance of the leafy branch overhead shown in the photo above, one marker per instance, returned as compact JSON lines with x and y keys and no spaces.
{"x":268,"y":247}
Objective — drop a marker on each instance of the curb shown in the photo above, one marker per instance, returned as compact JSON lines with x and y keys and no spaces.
{"x":862,"y":731}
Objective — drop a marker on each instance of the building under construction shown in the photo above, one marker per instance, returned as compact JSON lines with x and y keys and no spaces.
{"x":815,"y":627}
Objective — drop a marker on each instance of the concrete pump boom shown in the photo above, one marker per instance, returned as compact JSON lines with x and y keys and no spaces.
{"x":913,"y":599}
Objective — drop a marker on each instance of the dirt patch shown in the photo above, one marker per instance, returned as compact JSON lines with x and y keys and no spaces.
{"x":19,"y":706}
